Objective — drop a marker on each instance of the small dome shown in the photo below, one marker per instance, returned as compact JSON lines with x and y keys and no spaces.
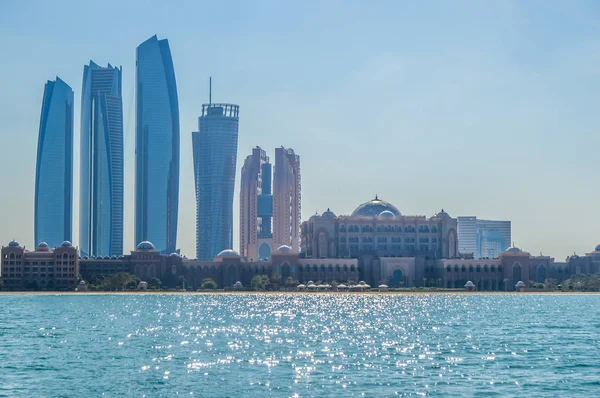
{"x":145,"y":245}
{"x":227,"y":253}
{"x":328,"y":214}
{"x":82,"y":282}
{"x":443,"y":214}
{"x":174,"y":255}
{"x":362,"y":283}
{"x":310,"y":283}
{"x":66,"y":244}
{"x":374,"y":207}
{"x":513,"y":249}
{"x":43,"y":247}
{"x":386,"y":214}
{"x":313,"y":217}
{"x":14,"y":244}
{"x":383,"y":286}
{"x":520,"y":284}
{"x":284,"y":248}
{"x":597,"y":248}
{"x":469,"y":284}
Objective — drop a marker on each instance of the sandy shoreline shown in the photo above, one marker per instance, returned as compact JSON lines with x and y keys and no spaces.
{"x":289,"y":293}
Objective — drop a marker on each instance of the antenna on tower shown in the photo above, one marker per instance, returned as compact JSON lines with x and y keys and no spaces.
{"x":210,"y":90}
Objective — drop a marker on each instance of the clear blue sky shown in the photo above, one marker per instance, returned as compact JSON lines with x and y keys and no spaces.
{"x":486,"y":108}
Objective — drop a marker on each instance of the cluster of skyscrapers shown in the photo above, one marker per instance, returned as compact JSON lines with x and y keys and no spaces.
{"x":157,"y":159}
{"x":270,"y":199}
{"x":101,"y":172}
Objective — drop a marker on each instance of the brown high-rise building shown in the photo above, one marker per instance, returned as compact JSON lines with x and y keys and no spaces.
{"x":256,"y":207}
{"x":286,"y":199}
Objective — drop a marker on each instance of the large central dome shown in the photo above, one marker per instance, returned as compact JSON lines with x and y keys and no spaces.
{"x":374,"y":208}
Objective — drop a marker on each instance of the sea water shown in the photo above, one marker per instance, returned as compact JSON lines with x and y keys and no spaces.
{"x":299,"y":345}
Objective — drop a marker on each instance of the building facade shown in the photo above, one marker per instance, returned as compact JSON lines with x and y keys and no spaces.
{"x":256,"y":207}
{"x":382,"y":239}
{"x":42,"y":269}
{"x":53,"y":202}
{"x":286,"y":199}
{"x":227,"y":268}
{"x":483,"y":238}
{"x":215,"y":154}
{"x":101,"y":175}
{"x":57,"y":269}
{"x":157,"y":146}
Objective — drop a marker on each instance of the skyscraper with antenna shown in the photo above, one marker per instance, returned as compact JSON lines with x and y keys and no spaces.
{"x":215,"y":154}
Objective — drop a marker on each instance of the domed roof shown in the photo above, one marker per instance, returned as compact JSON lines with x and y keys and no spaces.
{"x":66,"y":244}
{"x":597,"y":248}
{"x":313,"y":217}
{"x":227,"y":253}
{"x":469,"y":284}
{"x":374,"y":208}
{"x":284,"y":248}
{"x":443,"y":214}
{"x":13,"y":244}
{"x":513,"y":249}
{"x":520,"y":284}
{"x":386,"y":214}
{"x":328,"y":214}
{"x":145,"y":245}
{"x":43,"y":247}
{"x":174,"y":255}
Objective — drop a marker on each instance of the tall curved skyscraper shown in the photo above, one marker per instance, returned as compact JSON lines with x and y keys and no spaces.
{"x":53,"y":203}
{"x":215,"y":154}
{"x":157,"y":146}
{"x":101,"y":178}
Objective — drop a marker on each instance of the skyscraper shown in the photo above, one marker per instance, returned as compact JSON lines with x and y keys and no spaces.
{"x":286,"y":199}
{"x":256,"y":207}
{"x":215,"y":152}
{"x":53,"y":203}
{"x":101,"y":177}
{"x":483,"y":238}
{"x":157,"y":146}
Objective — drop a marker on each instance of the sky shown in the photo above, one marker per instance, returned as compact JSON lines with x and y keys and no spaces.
{"x":480,"y":108}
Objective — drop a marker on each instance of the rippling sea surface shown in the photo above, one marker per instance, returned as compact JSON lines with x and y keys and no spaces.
{"x":302,"y":345}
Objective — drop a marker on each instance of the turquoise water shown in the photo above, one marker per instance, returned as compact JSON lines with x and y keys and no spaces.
{"x":247,"y":345}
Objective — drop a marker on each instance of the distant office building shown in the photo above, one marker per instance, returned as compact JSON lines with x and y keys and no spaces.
{"x":215,"y":154}
{"x":483,"y":238}
{"x":157,"y":146}
{"x":101,"y":178}
{"x":286,"y":199}
{"x":256,"y":207}
{"x":53,"y":202}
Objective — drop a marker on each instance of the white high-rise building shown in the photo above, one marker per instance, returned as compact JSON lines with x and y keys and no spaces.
{"x":286,"y":199}
{"x":483,"y":238}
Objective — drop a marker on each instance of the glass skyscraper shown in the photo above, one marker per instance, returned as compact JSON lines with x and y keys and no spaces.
{"x":215,"y":154}
{"x":483,"y":238}
{"x":101,"y":178}
{"x":53,"y":203}
{"x":157,"y":146}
